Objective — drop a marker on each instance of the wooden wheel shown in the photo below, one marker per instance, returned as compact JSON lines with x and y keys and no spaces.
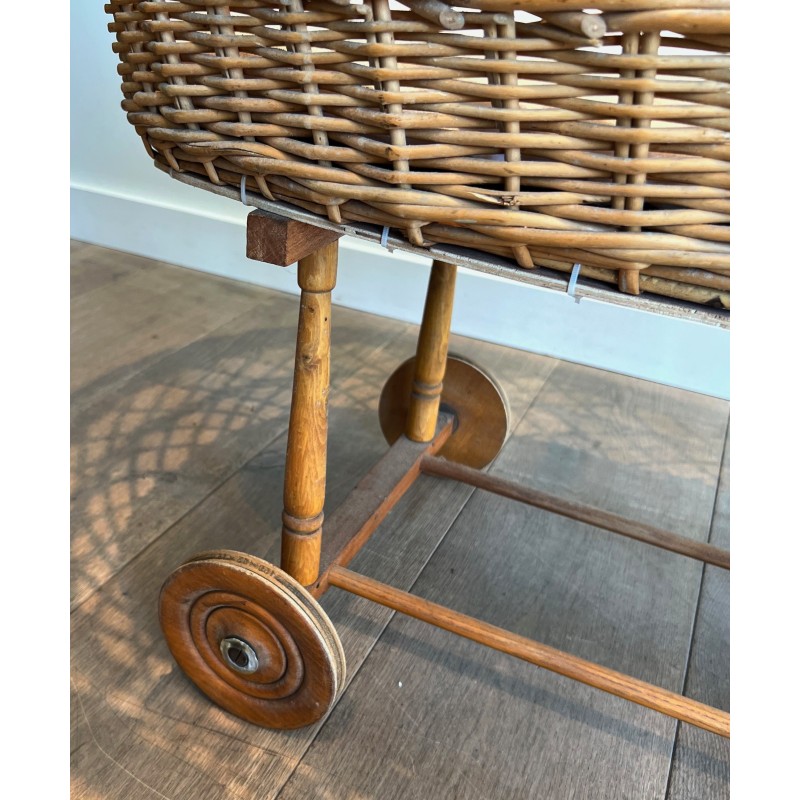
{"x":252,"y":639}
{"x":477,"y":401}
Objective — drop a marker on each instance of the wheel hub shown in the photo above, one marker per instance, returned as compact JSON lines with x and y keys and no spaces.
{"x":238,"y":655}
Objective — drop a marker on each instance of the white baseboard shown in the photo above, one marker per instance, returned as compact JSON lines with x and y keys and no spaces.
{"x":676,"y":352}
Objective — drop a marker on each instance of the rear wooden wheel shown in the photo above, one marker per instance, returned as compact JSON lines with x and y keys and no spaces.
{"x":252,"y":639}
{"x":476,"y":399}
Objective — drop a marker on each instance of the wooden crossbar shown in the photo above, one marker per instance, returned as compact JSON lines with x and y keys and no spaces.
{"x":578,"y":511}
{"x":608,"y":680}
{"x":351,"y":525}
{"x":356,"y":519}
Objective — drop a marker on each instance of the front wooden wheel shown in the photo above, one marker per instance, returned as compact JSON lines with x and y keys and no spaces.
{"x":476,"y":399}
{"x":252,"y":639}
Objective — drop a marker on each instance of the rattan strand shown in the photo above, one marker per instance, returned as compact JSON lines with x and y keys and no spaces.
{"x":498,"y":125}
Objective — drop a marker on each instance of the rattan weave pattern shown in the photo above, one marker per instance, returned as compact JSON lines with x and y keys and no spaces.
{"x":498,"y":125}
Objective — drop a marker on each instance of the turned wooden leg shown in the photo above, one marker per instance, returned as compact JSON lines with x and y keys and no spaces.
{"x":277,"y":240}
{"x":431,"y":360}
{"x":304,"y":487}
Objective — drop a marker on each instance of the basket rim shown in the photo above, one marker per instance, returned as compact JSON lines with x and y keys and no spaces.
{"x":471,"y":259}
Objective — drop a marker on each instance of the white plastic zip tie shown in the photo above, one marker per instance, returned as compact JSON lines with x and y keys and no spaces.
{"x":385,"y":237}
{"x":573,"y":281}
{"x":242,"y":192}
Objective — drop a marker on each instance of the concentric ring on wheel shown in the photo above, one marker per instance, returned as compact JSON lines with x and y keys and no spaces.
{"x":297,"y":666}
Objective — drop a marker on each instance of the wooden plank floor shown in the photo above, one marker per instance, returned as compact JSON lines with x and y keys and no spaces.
{"x":180,"y":408}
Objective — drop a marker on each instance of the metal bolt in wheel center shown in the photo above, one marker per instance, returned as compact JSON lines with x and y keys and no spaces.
{"x":252,"y":638}
{"x":239,"y":655}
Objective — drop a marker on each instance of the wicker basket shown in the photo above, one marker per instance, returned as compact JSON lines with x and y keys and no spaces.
{"x":527,"y":129}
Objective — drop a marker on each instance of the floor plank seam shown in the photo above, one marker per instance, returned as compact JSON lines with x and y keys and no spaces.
{"x":388,"y":738}
{"x":107,"y":755}
{"x":208,"y":277}
{"x":227,"y":477}
{"x":120,"y":281}
{"x":691,"y":649}
{"x":671,"y":768}
{"x":275,"y":754}
{"x":472,"y":493}
{"x":352,"y":677}
{"x":169,"y":353}
{"x":178,"y":521}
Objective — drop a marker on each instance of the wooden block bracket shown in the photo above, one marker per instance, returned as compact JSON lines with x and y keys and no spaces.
{"x":282,"y":241}
{"x":279,"y":240}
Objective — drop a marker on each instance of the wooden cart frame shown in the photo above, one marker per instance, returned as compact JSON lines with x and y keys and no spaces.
{"x":253,"y":636}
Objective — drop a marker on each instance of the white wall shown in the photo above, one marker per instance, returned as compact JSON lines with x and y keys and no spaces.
{"x":120,"y":200}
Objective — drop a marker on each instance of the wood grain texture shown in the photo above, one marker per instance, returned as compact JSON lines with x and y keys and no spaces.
{"x":92,"y":267}
{"x":147,"y":451}
{"x":281,"y":240}
{"x":171,"y":430}
{"x":131,"y":750}
{"x":149,"y":716}
{"x":430,"y":362}
{"x":295,"y":665}
{"x":138,"y":313}
{"x":433,"y":715}
{"x":477,"y":400}
{"x":593,"y":517}
{"x":644,"y":694}
{"x":701,"y":763}
{"x":304,"y":482}
{"x":140,"y":726}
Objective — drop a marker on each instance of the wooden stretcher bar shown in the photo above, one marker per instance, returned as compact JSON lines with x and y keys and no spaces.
{"x":319,"y":562}
{"x":457,"y":425}
{"x":596,"y":517}
{"x":608,"y":680}
{"x":357,"y":518}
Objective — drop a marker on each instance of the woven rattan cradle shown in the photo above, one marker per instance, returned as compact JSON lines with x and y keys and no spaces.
{"x":532,"y":135}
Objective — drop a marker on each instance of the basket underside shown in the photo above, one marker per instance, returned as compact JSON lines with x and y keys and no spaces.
{"x":509,"y":132}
